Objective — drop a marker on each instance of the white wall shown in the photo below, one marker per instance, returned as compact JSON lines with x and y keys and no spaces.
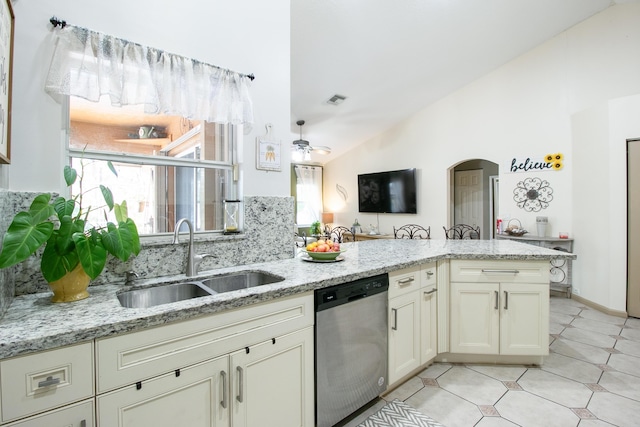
{"x":523,"y":108}
{"x":249,"y":36}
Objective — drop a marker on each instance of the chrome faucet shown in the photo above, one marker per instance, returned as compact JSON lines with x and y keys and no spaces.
{"x":193,"y":260}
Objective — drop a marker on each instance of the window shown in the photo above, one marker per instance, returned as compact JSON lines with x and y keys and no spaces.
{"x":168,"y":167}
{"x":308,"y":181}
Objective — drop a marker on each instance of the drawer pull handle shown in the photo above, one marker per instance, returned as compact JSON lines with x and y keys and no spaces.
{"x":49,"y":382}
{"x":506,"y":300}
{"x":431,"y":291}
{"x":498,"y":271}
{"x":223,"y":375}
{"x":240,"y":380}
{"x":83,"y":423}
{"x":497,"y":297}
{"x":395,"y":319}
{"x":429,"y":273}
{"x":406,"y":280}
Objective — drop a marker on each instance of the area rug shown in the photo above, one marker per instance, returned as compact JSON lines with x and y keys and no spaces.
{"x":399,"y":414}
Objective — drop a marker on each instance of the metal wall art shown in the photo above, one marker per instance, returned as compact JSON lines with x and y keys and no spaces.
{"x":533,"y":194}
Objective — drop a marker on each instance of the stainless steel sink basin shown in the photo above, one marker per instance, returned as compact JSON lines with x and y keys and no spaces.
{"x":240,"y":280}
{"x":164,"y":294}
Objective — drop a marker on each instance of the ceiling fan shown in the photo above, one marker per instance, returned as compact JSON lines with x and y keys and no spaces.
{"x":301,"y":149}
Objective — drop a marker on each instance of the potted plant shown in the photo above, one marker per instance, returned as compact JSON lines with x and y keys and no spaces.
{"x":74,"y":250}
{"x":315,"y":228}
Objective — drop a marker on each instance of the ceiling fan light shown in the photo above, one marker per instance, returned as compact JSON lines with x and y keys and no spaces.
{"x":307,"y":156}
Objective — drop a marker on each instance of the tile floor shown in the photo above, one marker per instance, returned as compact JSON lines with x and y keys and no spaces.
{"x":591,"y":378}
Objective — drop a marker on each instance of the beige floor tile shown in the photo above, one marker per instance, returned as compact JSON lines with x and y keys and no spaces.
{"x":556,"y":328}
{"x":560,"y":318}
{"x":631,"y":334}
{"x":581,"y":351}
{"x":615,"y":409}
{"x":597,"y":326}
{"x":526,"y":409}
{"x":625,"y":363}
{"x":500,"y":372}
{"x":629,"y":347}
{"x":435,"y":370}
{"x":593,"y":314}
{"x":405,"y":390}
{"x":620,"y":383}
{"x":557,"y":389}
{"x":495,"y":422}
{"x":472,"y":386}
{"x":569,"y":307}
{"x":588,"y":337}
{"x":594,"y":423}
{"x":633,"y":322}
{"x":444,"y":407}
{"x":571,"y":368}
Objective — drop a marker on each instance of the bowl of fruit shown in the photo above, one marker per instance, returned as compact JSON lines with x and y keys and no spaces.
{"x":323,"y":250}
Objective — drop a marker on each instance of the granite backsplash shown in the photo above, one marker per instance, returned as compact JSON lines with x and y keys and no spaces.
{"x":268,"y":235}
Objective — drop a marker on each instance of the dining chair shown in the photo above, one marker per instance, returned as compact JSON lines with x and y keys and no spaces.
{"x":412,"y":231}
{"x":462,"y":232}
{"x":342,"y":234}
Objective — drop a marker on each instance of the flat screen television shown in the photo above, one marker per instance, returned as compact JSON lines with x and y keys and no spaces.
{"x":388,"y":192}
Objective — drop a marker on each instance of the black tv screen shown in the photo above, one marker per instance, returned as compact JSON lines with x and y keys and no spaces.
{"x":388,"y":192}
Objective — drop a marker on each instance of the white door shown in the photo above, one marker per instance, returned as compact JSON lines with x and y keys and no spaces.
{"x":468,"y":197}
{"x":191,"y":397}
{"x":272,"y":383}
{"x":524,"y":319}
{"x":633,"y":231}
{"x":475,"y":318}
{"x":404,"y":335}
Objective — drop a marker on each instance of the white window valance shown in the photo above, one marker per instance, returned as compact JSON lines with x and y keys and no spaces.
{"x":89,"y":64}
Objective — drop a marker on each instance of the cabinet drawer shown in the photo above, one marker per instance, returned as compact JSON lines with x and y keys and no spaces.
{"x":78,"y":415}
{"x":495,"y":271}
{"x":126,"y":359}
{"x":45,"y":380}
{"x":429,"y":275}
{"x":404,"y":281}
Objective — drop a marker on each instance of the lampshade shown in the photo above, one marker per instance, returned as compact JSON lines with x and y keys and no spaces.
{"x":327,"y":217}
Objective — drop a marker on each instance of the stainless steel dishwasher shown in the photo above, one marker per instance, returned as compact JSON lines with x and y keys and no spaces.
{"x":351,"y":347}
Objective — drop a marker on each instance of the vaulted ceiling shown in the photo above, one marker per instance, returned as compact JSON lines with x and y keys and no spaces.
{"x":393,"y":58}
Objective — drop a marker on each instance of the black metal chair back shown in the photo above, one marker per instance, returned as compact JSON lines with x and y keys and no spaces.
{"x":412,"y":231}
{"x":462,"y":232}
{"x":342,"y":234}
{"x":300,"y":240}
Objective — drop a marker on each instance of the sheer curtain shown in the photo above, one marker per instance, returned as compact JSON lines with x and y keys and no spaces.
{"x":89,"y":64}
{"x":308,"y":194}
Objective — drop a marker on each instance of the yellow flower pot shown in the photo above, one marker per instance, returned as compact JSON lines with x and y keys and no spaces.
{"x":71,"y":287}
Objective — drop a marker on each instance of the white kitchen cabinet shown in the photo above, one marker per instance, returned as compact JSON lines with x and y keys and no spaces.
{"x":253,"y":366}
{"x":46,"y":380}
{"x":76,"y":415}
{"x":404,"y":335}
{"x":496,"y":310}
{"x":270,"y":383}
{"x":412,"y":319}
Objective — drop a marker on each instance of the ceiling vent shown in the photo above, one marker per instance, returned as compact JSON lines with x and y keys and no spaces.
{"x":336,"y":99}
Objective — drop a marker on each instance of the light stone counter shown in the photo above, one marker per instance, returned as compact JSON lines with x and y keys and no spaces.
{"x":33,"y":323}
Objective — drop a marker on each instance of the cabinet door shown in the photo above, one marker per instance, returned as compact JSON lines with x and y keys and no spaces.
{"x":193,"y":397}
{"x":428,"y":324}
{"x":475,"y":318}
{"x":524,"y":319}
{"x":272,"y":383}
{"x":404,"y":335}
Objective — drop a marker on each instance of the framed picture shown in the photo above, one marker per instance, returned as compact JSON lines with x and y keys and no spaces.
{"x":6,"y":77}
{"x":268,"y":155}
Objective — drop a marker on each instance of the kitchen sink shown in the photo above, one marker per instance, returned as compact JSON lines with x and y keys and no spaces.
{"x":173,"y":292}
{"x":164,"y":294}
{"x":241,"y":280}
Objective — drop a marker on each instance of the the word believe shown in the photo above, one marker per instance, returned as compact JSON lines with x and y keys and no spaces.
{"x":528,"y":165}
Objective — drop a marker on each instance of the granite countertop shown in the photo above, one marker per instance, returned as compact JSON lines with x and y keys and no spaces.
{"x":33,"y":323}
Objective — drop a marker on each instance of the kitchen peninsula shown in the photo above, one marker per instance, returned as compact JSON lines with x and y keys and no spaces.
{"x":139,"y":352}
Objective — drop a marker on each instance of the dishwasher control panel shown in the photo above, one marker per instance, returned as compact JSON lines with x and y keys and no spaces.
{"x":346,"y":292}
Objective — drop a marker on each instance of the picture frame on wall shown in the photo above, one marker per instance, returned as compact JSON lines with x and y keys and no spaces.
{"x":268,"y":156}
{"x":7,"y":21}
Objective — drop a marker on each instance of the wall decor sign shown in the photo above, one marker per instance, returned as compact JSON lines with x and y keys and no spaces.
{"x":533,"y":194}
{"x":6,"y":78}
{"x":549,"y":162}
{"x":268,"y":155}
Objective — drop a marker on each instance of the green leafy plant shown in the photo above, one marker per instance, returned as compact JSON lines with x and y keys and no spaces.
{"x":61,"y":226}
{"x":315,"y":228}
